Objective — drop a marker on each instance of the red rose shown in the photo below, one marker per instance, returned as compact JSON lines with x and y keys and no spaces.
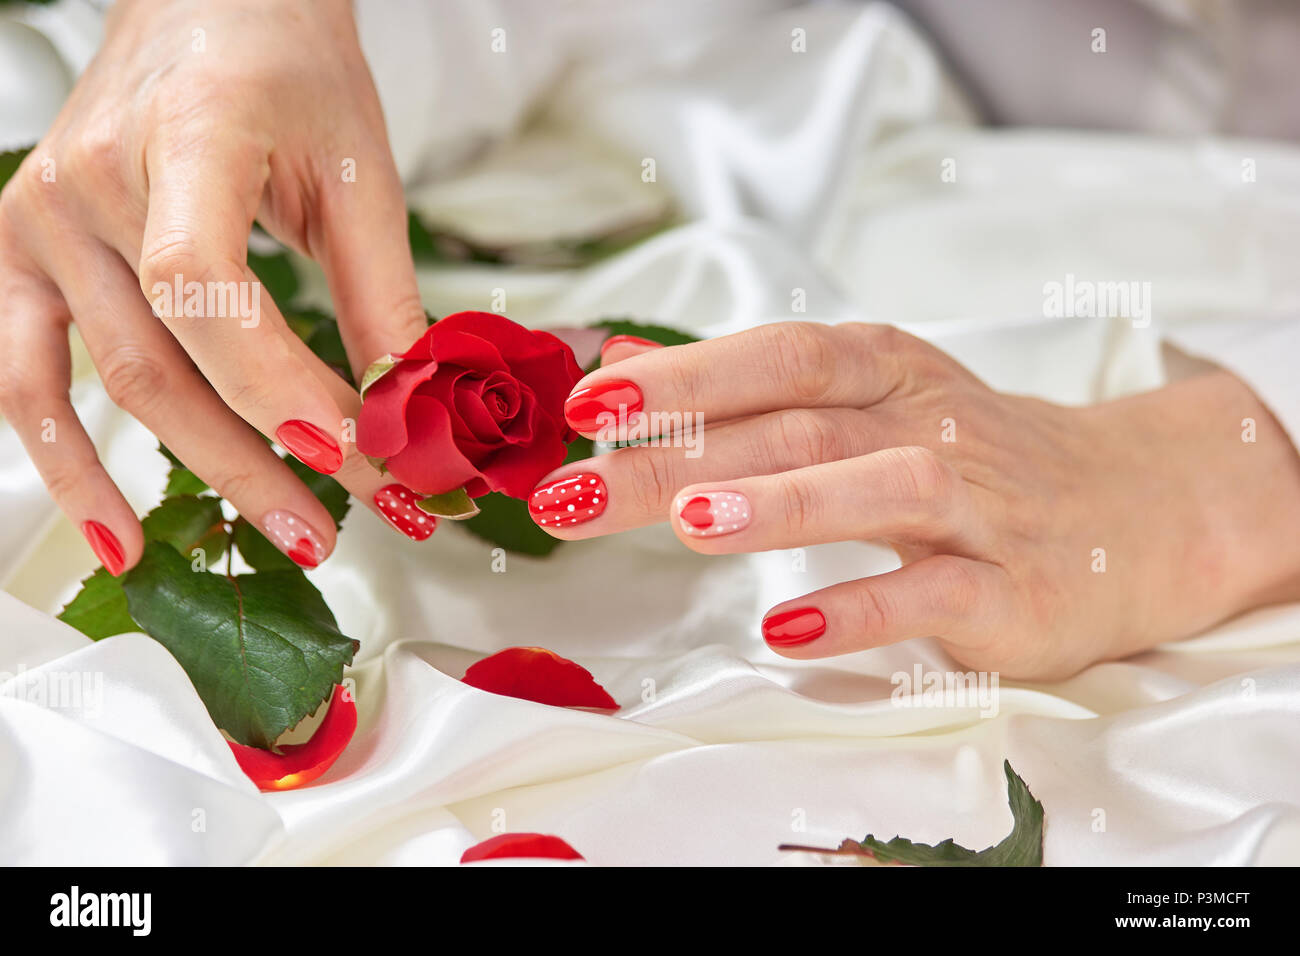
{"x":477,"y":402}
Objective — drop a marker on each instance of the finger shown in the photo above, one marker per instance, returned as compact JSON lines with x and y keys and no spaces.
{"x":193,"y":271}
{"x":958,"y":599}
{"x":391,"y":500}
{"x":616,"y":348}
{"x":146,"y":374}
{"x":785,"y":365}
{"x":366,"y":256}
{"x":907,"y":495}
{"x":35,"y":373}
{"x":640,"y":484}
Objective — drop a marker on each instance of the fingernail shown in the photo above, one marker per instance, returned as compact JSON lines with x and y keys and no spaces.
{"x":106,"y":547}
{"x":294,"y":537}
{"x":797,"y":626}
{"x":590,"y":408}
{"x":614,"y":340}
{"x":713,"y":513}
{"x":310,"y":445}
{"x":568,"y":501}
{"x":397,"y":504}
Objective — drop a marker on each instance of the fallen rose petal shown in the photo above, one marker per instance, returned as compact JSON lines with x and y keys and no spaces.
{"x":299,"y":764}
{"x":515,"y":846}
{"x":536,"y":674}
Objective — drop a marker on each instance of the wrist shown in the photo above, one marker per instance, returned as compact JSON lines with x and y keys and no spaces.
{"x":1222,"y":497}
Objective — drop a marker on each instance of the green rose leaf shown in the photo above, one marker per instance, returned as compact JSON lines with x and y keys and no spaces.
{"x":655,"y":333}
{"x":327,"y":491}
{"x":186,"y":523}
{"x":189,"y":524}
{"x":1023,"y":846}
{"x":99,"y":608}
{"x":455,"y":505}
{"x":263,"y":650}
{"x":320,"y":332}
{"x":504,"y":522}
{"x":277,"y":275}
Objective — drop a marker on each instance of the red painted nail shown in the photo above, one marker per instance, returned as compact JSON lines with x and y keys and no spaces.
{"x":796,"y":626}
{"x":600,"y":406}
{"x":310,"y":445}
{"x":106,"y":546}
{"x":568,"y":501}
{"x":614,"y":340}
{"x":397,"y":504}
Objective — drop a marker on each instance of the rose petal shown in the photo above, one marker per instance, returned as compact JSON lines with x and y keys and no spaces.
{"x":468,"y":350}
{"x":431,"y":463}
{"x":479,"y":422}
{"x":515,"y":846}
{"x":536,"y":674}
{"x":516,"y":469}
{"x":535,"y":357}
{"x":299,"y":764}
{"x":381,"y":424}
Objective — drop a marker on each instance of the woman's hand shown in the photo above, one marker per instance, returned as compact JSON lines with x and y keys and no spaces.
{"x":196,"y":117}
{"x":1034,"y":538}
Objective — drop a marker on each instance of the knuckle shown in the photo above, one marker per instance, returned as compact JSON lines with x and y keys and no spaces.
{"x":874,"y":610}
{"x":928,"y":482}
{"x":960,"y":588}
{"x":178,"y":254}
{"x":28,"y":198}
{"x":805,"y":361}
{"x":248,"y":398}
{"x":808,"y":437}
{"x":801,"y":505}
{"x":682,"y":381}
{"x":97,"y":149}
{"x":62,"y":482}
{"x":65,"y":479}
{"x":652,"y":481}
{"x":167,"y":258}
{"x":133,"y":378}
{"x":238,"y":487}
{"x":18,"y":388}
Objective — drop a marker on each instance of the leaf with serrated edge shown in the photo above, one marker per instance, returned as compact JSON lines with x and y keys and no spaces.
{"x":99,"y":608}
{"x":262,"y":650}
{"x":454,"y":505}
{"x":1023,"y":846}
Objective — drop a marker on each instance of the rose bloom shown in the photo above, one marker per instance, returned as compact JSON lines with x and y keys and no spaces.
{"x":477,"y":402}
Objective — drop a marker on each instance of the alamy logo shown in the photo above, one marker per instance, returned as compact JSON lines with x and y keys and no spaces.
{"x":75,"y":908}
{"x":1085,"y":299}
{"x":208,"y":300}
{"x":976,"y":690}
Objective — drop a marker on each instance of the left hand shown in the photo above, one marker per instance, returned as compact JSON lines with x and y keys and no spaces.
{"x":1034,"y":538}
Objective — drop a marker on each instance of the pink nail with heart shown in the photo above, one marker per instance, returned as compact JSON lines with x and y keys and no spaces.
{"x":713,"y":513}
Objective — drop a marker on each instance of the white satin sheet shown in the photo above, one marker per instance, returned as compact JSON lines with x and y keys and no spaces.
{"x":815,"y":171}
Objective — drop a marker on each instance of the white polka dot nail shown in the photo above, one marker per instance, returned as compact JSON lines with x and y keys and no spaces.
{"x":568,"y":501}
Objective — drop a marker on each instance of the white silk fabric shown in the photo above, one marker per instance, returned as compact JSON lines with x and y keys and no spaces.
{"x":814,"y":172}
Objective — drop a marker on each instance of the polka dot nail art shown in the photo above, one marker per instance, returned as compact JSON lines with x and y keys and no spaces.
{"x":713,"y":513}
{"x":397,"y":504}
{"x":295,"y":537}
{"x":568,"y":501}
